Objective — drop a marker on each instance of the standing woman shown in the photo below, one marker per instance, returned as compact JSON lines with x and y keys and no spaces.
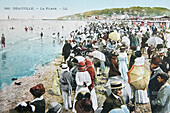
{"x":83,"y":80}
{"x":141,"y":96}
{"x":91,"y":71}
{"x":123,"y":61}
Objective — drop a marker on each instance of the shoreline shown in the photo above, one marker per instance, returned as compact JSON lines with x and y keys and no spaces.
{"x":12,"y":94}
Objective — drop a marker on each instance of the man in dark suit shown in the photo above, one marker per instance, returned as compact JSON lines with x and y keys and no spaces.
{"x":115,"y":99}
{"x":164,"y":61}
{"x":154,"y":85}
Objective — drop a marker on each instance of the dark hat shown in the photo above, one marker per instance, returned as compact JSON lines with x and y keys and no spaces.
{"x":155,"y":60}
{"x":87,"y":105}
{"x":115,"y":54}
{"x":37,"y":90}
{"x":133,"y":47}
{"x":104,"y":46}
{"x":138,"y":53}
{"x":122,"y":48}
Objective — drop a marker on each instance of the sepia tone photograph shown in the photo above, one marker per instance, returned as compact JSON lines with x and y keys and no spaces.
{"x":84,"y":56}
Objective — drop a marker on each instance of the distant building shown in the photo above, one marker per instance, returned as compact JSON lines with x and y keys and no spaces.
{"x":161,"y":18}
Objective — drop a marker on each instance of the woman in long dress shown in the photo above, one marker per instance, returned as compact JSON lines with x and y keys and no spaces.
{"x":83,"y":80}
{"x":123,"y":61}
{"x":91,"y":71}
{"x":140,"y":95}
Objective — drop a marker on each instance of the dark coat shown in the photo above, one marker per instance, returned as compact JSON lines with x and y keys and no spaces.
{"x":39,"y":106}
{"x":154,"y":86}
{"x":111,"y":103}
{"x":114,"y":68}
{"x":66,"y":50}
{"x":164,"y":62}
{"x":108,"y":56}
{"x":132,"y":60}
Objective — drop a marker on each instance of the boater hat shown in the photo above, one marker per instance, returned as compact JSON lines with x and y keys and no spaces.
{"x":116,"y":85}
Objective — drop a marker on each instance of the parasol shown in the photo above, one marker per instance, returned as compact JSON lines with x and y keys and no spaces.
{"x":139,"y":77}
{"x":154,"y":41}
{"x":114,"y":36}
{"x":99,"y":55}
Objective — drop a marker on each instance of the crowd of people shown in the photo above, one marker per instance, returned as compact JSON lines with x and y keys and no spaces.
{"x":90,"y":52}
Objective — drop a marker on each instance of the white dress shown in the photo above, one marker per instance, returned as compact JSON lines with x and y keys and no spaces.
{"x":123,"y":61}
{"x":141,"y":96}
{"x":80,"y":78}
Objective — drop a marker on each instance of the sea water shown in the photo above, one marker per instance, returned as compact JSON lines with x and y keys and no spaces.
{"x":25,"y":49}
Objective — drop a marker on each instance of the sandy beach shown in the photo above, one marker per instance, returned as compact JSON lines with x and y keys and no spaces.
{"x":11,"y":95}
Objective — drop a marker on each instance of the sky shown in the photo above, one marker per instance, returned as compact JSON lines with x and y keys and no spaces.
{"x":41,"y":9}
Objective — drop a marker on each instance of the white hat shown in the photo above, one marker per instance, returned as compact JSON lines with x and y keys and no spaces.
{"x":64,"y":66}
{"x":72,"y":54}
{"x":162,"y":51}
{"x":96,"y":47}
{"x":116,"y":85}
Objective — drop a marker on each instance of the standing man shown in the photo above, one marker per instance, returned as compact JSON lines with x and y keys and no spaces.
{"x":164,"y":61}
{"x":162,"y":101}
{"x":66,"y":50}
{"x":54,"y":37}
{"x":154,"y":85}
{"x":2,"y":41}
{"x":115,"y":99}
{"x":66,"y":86}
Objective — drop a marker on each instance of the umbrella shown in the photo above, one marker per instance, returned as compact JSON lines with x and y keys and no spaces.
{"x":99,"y":55}
{"x":154,"y":41}
{"x":139,"y":77}
{"x":79,"y":58}
{"x":114,"y":36}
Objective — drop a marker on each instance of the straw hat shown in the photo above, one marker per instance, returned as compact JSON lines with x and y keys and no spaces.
{"x":116,"y":85}
{"x":162,"y":51}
